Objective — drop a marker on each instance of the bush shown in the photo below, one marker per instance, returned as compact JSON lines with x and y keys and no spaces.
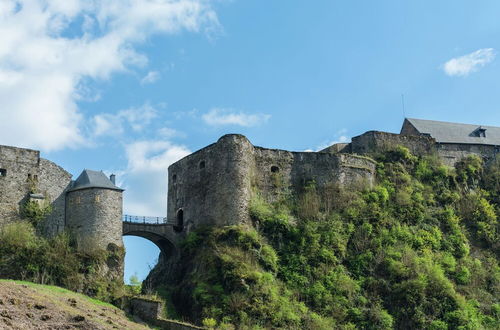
{"x":418,"y":250}
{"x":35,"y":212}
{"x":26,"y":256}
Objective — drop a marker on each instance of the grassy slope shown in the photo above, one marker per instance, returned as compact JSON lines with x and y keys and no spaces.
{"x":25,"y":305}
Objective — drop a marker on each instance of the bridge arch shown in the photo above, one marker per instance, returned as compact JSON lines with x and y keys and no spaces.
{"x":161,"y":234}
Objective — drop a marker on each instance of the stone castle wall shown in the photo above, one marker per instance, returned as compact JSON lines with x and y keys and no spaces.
{"x":374,"y":141}
{"x":14,"y":185}
{"x":26,"y":171}
{"x":94,"y":216}
{"x":294,"y":170}
{"x":213,"y":186}
{"x":451,"y":153}
{"x":53,"y":183}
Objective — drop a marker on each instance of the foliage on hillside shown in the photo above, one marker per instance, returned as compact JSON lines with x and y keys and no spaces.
{"x":25,"y":255}
{"x":419,"y":250}
{"x":25,"y":305}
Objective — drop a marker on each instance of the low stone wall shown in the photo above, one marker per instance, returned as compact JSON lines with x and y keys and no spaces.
{"x":145,"y":309}
{"x":150,"y":311}
{"x":451,"y":153}
{"x":337,"y":148}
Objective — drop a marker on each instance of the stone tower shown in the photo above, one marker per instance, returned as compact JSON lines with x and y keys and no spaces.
{"x":94,"y":212}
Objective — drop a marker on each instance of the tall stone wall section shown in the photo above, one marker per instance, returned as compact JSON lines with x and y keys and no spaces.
{"x":26,"y":172}
{"x":14,"y":185}
{"x":53,"y":184}
{"x":214,"y":185}
{"x":278,"y":169}
{"x":94,"y":216}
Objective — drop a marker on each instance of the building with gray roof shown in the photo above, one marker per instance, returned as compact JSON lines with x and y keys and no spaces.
{"x":454,"y":133}
{"x":94,"y":179}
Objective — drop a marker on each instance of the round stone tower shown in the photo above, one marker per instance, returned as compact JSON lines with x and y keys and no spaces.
{"x":94,"y":212}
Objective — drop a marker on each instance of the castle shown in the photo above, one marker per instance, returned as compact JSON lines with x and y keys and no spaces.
{"x":90,"y":207}
{"x":213,"y":186}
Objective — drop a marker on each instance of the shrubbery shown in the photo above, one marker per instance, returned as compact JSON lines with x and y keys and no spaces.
{"x":26,"y":256}
{"x":419,"y":250}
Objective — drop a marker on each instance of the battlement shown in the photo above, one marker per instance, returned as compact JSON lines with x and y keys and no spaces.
{"x":213,"y":186}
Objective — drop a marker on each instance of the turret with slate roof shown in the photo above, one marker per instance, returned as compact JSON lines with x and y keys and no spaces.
{"x":94,"y":211}
{"x":93,"y":179}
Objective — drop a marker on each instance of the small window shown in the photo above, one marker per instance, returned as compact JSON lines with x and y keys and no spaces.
{"x":174,"y":178}
{"x":480,"y":132}
{"x":179,"y":226}
{"x":202,"y":164}
{"x":35,"y":177}
{"x":275,"y":169}
{"x":97,"y":198}
{"x":29,"y":177}
{"x":3,"y":172}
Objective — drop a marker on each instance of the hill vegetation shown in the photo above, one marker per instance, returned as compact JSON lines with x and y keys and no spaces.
{"x":25,"y":305}
{"x":418,"y":250}
{"x":27,"y":255}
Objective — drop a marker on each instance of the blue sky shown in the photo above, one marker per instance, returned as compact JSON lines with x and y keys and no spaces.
{"x":131,"y":86}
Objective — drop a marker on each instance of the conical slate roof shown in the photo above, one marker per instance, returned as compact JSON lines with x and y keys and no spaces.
{"x":93,"y":179}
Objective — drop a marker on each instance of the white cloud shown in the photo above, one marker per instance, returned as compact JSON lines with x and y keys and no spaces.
{"x":49,"y":50}
{"x":220,"y":117}
{"x":146,"y":176}
{"x":150,"y":78}
{"x":114,"y":124}
{"x":340,"y":137}
{"x":168,"y":132}
{"x":464,"y":65}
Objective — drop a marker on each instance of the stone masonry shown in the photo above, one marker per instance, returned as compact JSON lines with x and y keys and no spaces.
{"x":26,"y":173}
{"x":92,"y":214}
{"x":214,"y":185}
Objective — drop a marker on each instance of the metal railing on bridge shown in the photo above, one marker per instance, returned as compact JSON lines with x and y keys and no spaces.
{"x":144,"y":219}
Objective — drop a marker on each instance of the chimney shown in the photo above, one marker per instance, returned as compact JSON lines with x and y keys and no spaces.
{"x":112,"y":177}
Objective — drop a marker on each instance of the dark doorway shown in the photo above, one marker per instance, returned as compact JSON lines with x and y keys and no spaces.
{"x":180,"y":221}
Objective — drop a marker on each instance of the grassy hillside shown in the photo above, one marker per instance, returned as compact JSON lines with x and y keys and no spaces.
{"x":419,"y":250}
{"x":24,"y":305}
{"x":27,"y":255}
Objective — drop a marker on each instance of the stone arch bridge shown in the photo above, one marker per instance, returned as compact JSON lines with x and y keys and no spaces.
{"x":156,"y":230}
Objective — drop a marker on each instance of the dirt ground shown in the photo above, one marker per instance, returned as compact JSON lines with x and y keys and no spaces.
{"x":29,"y":306}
